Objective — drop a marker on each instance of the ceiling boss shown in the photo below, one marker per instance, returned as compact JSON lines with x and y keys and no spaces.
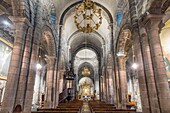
{"x":88,"y":17}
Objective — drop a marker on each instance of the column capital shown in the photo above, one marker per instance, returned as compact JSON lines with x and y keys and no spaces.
{"x":51,"y":61}
{"x":123,"y":57}
{"x":147,"y":18}
{"x":16,"y":20}
{"x":122,"y":62}
{"x":152,"y":21}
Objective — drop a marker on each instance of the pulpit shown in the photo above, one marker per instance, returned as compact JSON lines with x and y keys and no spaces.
{"x":69,"y":77}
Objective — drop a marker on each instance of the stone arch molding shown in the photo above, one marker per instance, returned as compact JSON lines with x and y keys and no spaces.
{"x":5,"y":7}
{"x":159,"y":6}
{"x":88,"y":46}
{"x":48,"y":39}
{"x":165,"y":6}
{"x":125,"y":34}
{"x":77,"y":33}
{"x":86,"y":63}
{"x":91,"y":65}
{"x":62,"y":17}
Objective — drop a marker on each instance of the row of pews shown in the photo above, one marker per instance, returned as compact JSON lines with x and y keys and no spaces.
{"x":101,"y":107}
{"x":71,"y":107}
{"x":76,"y":107}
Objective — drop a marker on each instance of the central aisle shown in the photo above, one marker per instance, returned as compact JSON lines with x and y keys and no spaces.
{"x":85,"y":108}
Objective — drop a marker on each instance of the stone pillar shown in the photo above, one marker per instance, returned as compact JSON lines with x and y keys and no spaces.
{"x":101,"y":88}
{"x":50,"y":81}
{"x":109,"y":74}
{"x":140,"y":70}
{"x":106,"y":79}
{"x":21,"y":27}
{"x":114,"y":87}
{"x":152,"y":23}
{"x":59,"y":85}
{"x":32,"y":72}
{"x":107,"y":87}
{"x":110,"y":86}
{"x":123,"y":81}
{"x":151,"y":105}
{"x":104,"y":85}
{"x":24,"y":69}
{"x":55,"y":84}
{"x":117,"y":85}
{"x":61,"y":80}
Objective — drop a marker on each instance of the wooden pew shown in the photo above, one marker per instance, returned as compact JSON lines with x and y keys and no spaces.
{"x":112,"y":111}
{"x":55,"y":112}
{"x":72,"y":107}
{"x":101,"y":107}
{"x":60,"y":109}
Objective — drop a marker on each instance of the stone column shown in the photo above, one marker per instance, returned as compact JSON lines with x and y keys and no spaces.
{"x":32,"y":72}
{"x":59,"y":84}
{"x":110,"y":85}
{"x":106,"y":90}
{"x":61,"y":80}
{"x":104,"y":85}
{"x":110,"y":78}
{"x":117,"y":85}
{"x":152,"y":23}
{"x":24,"y":70}
{"x":123,"y":81}
{"x":114,"y":87}
{"x":21,"y":27}
{"x":101,"y":88}
{"x":50,"y":81}
{"x":140,"y":70}
{"x":55,"y":84}
{"x":151,"y":105}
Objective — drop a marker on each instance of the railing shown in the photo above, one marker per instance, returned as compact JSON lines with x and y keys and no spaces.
{"x":66,"y":94}
{"x":63,"y":95}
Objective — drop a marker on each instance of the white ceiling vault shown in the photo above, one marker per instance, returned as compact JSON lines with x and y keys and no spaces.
{"x":65,"y":14}
{"x":74,"y":42}
{"x":62,"y":5}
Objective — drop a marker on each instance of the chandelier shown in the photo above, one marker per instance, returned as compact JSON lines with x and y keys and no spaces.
{"x":88,"y":17}
{"x":86,"y":71}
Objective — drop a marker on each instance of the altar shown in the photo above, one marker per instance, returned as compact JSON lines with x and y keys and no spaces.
{"x":86,"y":92}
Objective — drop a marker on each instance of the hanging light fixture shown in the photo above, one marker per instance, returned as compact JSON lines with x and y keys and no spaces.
{"x":134,"y":66}
{"x":88,"y":17}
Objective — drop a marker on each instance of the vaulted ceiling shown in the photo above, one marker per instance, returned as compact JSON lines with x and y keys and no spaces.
{"x":65,"y":15}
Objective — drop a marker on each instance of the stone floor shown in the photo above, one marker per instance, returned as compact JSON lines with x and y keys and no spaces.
{"x":85,"y":108}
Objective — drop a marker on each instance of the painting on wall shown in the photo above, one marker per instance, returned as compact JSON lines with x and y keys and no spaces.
{"x":5,"y":55}
{"x":165,"y":39}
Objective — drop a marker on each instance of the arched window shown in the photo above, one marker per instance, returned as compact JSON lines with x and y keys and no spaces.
{"x":119,"y":17}
{"x":119,"y":13}
{"x":53,"y":15}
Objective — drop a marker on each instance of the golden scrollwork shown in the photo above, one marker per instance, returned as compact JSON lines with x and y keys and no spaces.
{"x":86,"y":71}
{"x":88,"y":17}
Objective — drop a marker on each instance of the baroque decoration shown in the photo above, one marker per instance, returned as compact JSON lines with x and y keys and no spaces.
{"x":86,"y":71}
{"x":88,"y":17}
